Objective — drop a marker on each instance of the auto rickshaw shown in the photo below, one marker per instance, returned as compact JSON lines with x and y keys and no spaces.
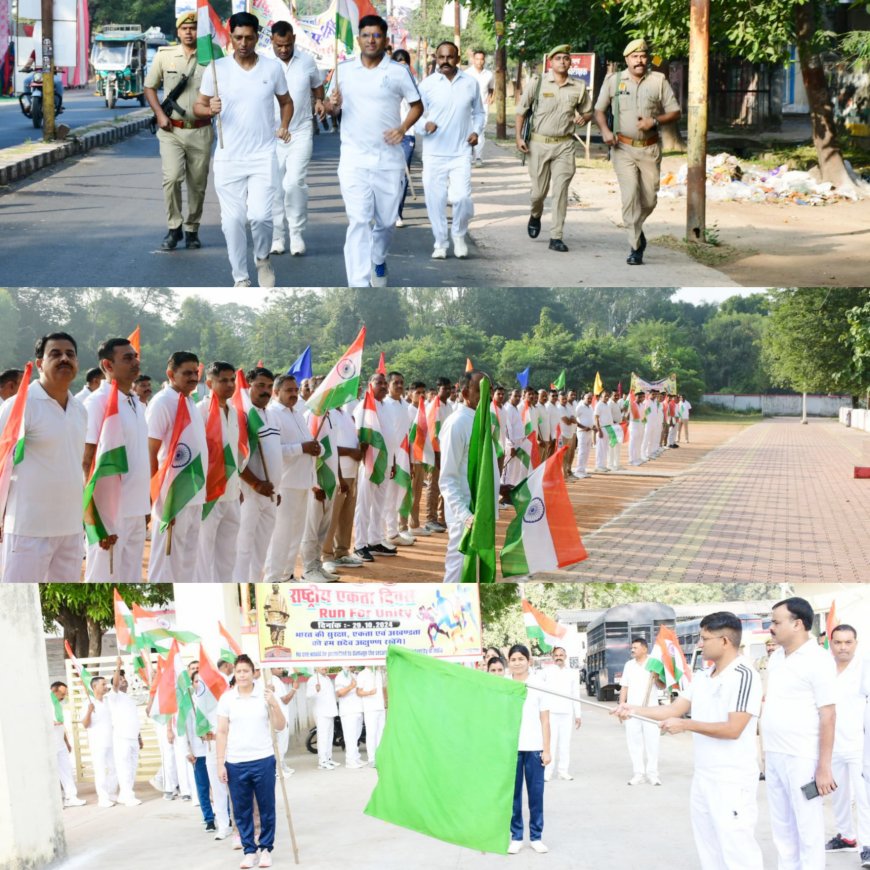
{"x":119,"y":58}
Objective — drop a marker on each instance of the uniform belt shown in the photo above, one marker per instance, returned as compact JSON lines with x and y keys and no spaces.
{"x":189,"y":125}
{"x":638,"y":143}
{"x":549,"y":140}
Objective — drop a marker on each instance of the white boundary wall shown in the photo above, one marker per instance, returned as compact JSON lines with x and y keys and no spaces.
{"x":857,"y":418}
{"x":818,"y":405}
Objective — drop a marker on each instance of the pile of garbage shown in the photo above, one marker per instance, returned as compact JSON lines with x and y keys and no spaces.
{"x":728,"y":181}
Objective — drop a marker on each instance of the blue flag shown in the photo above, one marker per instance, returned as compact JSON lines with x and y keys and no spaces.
{"x":300,"y":368}
{"x":523,"y":377}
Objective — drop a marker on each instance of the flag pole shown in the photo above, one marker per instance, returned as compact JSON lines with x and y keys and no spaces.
{"x":590,"y":703}
{"x":111,"y":558}
{"x":280,"y":770}
{"x":168,"y":550}
{"x":217,"y":95}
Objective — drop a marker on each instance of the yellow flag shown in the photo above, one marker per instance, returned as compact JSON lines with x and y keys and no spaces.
{"x":598,"y":385}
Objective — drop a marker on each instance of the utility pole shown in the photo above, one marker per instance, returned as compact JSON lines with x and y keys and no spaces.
{"x":457,"y":25}
{"x":500,"y":71}
{"x":699,"y":63}
{"x":48,"y":133}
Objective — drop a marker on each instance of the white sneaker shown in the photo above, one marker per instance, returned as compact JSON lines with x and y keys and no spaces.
{"x":399,"y":541}
{"x":74,"y":802}
{"x":601,"y":470}
{"x":515,"y":847}
{"x":355,"y":765}
{"x":156,"y":782}
{"x":653,"y":779}
{"x":548,"y":777}
{"x":538,"y":847}
{"x":318,"y":576}
{"x":460,"y":248}
{"x":105,"y":804}
{"x":222,"y":833}
{"x":277,"y":247}
{"x":349,"y":561}
{"x":237,"y":841}
{"x":265,"y":273}
{"x":330,"y":575}
{"x":325,"y":765}
{"x":399,"y":222}
{"x":131,"y":802}
{"x":566,"y":776}
{"x":422,"y":532}
{"x":637,"y":779}
{"x":249,"y":861}
{"x":478,"y":162}
{"x":439,"y":253}
{"x":243,"y":282}
{"x":288,"y":771}
{"x":297,"y":245}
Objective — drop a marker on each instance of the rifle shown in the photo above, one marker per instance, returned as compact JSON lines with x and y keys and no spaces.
{"x":170,"y":102}
{"x":528,"y":117}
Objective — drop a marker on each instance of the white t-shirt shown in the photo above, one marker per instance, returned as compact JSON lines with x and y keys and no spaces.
{"x":136,"y":483}
{"x":351,"y":703}
{"x":685,"y":407}
{"x":736,"y":690}
{"x":585,"y":416}
{"x":100,"y":729}
{"x":322,"y":703}
{"x":230,"y":435}
{"x":249,"y":737}
{"x":368,"y":679}
{"x":615,"y":411}
{"x":797,"y":685}
{"x":371,"y":105}
{"x":565,"y":681}
{"x":125,"y":715}
{"x":569,"y":409}
{"x":297,"y":467}
{"x":302,"y":76}
{"x":602,"y":412}
{"x":485,"y":82}
{"x":396,"y":423}
{"x":160,"y":415}
{"x":636,"y":678}
{"x":46,"y":487}
{"x":531,"y":733}
{"x":345,"y":436}
{"x":851,"y":694}
{"x":269,"y":446}
{"x":247,"y":100}
{"x":455,"y":107}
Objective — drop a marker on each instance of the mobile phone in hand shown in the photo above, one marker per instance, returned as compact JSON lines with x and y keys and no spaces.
{"x":810,"y":790}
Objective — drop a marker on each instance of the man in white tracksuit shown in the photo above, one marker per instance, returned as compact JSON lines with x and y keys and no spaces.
{"x":585,"y":425}
{"x":396,"y":420}
{"x":848,"y":755}
{"x":299,"y":451}
{"x":603,"y":417}
{"x":350,"y":709}
{"x":725,"y":702}
{"x":321,"y":695}
{"x":564,"y":714}
{"x":61,"y":744}
{"x":636,"y":428}
{"x":649,"y":409}
{"x":638,"y":687}
{"x":126,"y":737}
{"x":514,"y":471}
{"x":798,"y":724}
{"x":371,"y":169}
{"x":370,"y":687}
{"x":98,"y":722}
{"x":452,"y":121}
{"x":305,"y":85}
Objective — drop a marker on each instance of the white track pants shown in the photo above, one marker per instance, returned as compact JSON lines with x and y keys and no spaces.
{"x":643,"y":747}
{"x":318,"y":519}
{"x":290,"y":191}
{"x":244,"y":190}
{"x":453,"y":559}
{"x":447,"y":179}
{"x":126,"y":555}
{"x":351,"y":727}
{"x":325,"y":733}
{"x":287,"y":536}
{"x":371,"y":201}
{"x":179,"y":566}
{"x":255,"y":532}
{"x":126,"y":753}
{"x":635,"y":437}
{"x":66,"y":774}
{"x":561,"y":727}
{"x":850,"y":788}
{"x":105,"y":779}
{"x":218,"y":537}
{"x":220,"y":795}
{"x":27,"y":559}
{"x":584,"y":446}
{"x":602,"y":451}
{"x":368,"y":519}
{"x":374,"y":720}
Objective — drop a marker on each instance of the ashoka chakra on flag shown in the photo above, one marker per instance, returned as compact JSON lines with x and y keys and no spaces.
{"x":346,"y":369}
{"x":535,"y":512}
{"x":182,"y":456}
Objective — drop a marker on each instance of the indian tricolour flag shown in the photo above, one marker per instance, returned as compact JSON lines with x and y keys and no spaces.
{"x":347,"y":16}
{"x":12,"y":438}
{"x":221,"y":462}
{"x":342,"y":383}
{"x":543,"y":536}
{"x":326,"y":479}
{"x":152,"y":628}
{"x":84,"y":674}
{"x":370,"y":433}
{"x":421,"y":445}
{"x":402,"y":478}
{"x":528,"y":450}
{"x":211,"y":35}
{"x":124,"y":629}
{"x":242,"y":402}
{"x":540,"y":628}
{"x":231,"y":651}
{"x":181,"y":476}
{"x":102,"y":496}
{"x":208,"y":691}
{"x":666,"y":659}
{"x":165,"y":698}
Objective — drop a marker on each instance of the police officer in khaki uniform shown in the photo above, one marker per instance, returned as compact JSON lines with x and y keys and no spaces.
{"x":562,"y":103}
{"x":641,"y":102}
{"x":185,"y":140}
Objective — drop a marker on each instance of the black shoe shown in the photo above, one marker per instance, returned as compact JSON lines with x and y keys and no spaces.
{"x":382,"y":550}
{"x":558,"y":245}
{"x":364,"y":554}
{"x":841,"y":844}
{"x":191,"y":239}
{"x":641,"y":243}
{"x":171,"y":239}
{"x":534,"y":227}
{"x":210,"y":826}
{"x":635,"y":258}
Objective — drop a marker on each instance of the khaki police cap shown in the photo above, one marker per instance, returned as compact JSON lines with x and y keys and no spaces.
{"x":559,"y":49}
{"x":635,"y":45}
{"x":185,"y":18}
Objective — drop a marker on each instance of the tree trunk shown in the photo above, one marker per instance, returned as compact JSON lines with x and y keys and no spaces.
{"x":95,"y":639}
{"x":831,"y":164}
{"x":75,"y":631}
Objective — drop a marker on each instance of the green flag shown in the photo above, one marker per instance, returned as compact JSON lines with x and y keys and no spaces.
{"x":559,"y":383}
{"x":478,"y":542}
{"x":449,"y":776}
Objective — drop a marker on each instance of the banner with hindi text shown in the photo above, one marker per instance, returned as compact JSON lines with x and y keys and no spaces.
{"x":668,"y":384}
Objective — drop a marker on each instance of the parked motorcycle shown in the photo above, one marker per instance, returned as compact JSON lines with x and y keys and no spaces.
{"x":31,"y":101}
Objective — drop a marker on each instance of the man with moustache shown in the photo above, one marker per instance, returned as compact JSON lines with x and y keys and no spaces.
{"x":179,"y":565}
{"x":513,"y":470}
{"x":42,"y":527}
{"x":249,"y":85}
{"x":260,"y":477}
{"x":641,"y":101}
{"x":220,"y":526}
{"x":120,"y":364}
{"x":452,"y":121}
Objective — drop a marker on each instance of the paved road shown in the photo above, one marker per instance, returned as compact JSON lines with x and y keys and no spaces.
{"x":101,"y":219}
{"x":81,"y":107}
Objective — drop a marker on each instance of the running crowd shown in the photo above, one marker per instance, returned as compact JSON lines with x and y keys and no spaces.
{"x":298,"y":487}
{"x":266,"y":107}
{"x":804,"y":705}
{"x":235,"y":763}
